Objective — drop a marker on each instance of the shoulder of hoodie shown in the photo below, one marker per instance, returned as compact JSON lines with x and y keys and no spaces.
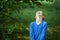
{"x":45,"y":22}
{"x":32,"y":22}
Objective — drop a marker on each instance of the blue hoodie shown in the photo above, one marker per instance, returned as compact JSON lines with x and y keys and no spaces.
{"x":38,"y":32}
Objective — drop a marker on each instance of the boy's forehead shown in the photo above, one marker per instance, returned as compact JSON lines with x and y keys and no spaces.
{"x":39,"y":13}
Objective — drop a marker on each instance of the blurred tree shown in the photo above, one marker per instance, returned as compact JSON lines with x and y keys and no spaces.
{"x":7,"y":7}
{"x":57,"y":4}
{"x":38,"y":3}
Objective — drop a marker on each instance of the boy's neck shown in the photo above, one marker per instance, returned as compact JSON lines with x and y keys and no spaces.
{"x":38,"y":21}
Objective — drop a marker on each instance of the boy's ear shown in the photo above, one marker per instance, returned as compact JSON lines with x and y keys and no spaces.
{"x":43,"y":16}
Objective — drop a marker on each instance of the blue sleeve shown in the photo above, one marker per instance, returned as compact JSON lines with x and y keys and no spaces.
{"x":44,"y":32}
{"x":31,"y":32}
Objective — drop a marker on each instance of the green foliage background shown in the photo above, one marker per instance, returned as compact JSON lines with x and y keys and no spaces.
{"x":16,"y":15}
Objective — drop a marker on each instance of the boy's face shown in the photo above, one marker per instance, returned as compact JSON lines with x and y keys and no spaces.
{"x":39,"y":15}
